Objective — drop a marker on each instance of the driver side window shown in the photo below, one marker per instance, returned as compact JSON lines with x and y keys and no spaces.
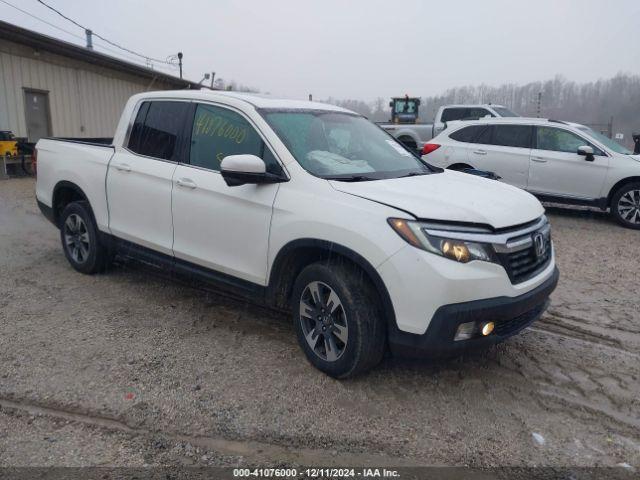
{"x":219,"y":132}
{"x":559,"y":140}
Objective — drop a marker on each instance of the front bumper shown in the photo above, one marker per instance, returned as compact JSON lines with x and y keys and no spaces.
{"x":510,"y":315}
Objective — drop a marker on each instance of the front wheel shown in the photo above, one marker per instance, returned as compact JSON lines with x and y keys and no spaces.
{"x":625,"y":205}
{"x":337,"y":318}
{"x":80,"y":239}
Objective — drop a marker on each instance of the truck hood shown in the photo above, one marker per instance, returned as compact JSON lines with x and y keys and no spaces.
{"x":451,"y":196}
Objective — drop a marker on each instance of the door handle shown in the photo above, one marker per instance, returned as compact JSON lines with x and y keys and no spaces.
{"x":480,"y":152}
{"x":539,"y":159}
{"x":123,"y":167}
{"x":186,"y":183}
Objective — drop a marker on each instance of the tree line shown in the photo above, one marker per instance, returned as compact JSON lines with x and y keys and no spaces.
{"x":608,"y":104}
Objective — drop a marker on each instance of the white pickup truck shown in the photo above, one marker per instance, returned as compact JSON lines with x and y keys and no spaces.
{"x":307,"y":208}
{"x":414,"y":135}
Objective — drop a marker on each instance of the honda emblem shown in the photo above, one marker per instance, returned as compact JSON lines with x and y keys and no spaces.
{"x":539,"y":244}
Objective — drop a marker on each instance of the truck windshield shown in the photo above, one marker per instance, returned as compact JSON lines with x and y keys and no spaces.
{"x":342,"y":146}
{"x":606,"y":141}
{"x":505,"y":112}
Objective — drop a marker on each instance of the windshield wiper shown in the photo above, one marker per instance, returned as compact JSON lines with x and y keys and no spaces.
{"x":413,"y":174}
{"x":353,"y":178}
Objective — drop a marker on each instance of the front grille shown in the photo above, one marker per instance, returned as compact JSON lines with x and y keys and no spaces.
{"x":509,"y":327}
{"x":521,"y":265}
{"x":525,"y":264}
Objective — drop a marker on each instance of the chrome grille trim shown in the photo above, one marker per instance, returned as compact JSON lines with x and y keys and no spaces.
{"x":507,"y":240}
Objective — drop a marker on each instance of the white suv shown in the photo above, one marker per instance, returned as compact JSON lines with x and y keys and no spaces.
{"x":556,"y":161}
{"x":310,"y":209}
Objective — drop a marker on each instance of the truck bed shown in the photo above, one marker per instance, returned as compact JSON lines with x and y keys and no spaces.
{"x":82,"y":162}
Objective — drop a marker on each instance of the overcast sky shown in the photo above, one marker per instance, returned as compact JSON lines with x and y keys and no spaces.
{"x":363,"y":48}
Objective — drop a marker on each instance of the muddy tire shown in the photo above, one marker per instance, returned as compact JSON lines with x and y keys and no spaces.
{"x":338,"y":319}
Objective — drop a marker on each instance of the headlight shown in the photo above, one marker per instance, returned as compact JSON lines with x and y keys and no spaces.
{"x":462,"y":251}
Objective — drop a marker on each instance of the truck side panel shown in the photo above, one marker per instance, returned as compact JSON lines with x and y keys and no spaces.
{"x":84,"y":165}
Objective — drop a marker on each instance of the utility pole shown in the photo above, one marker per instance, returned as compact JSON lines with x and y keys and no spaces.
{"x":180,"y":63}
{"x":213,"y":75}
{"x":611,"y":127}
{"x":539,"y":109}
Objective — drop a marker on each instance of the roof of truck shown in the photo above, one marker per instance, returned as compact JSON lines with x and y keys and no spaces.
{"x":255,"y":99}
{"x":468,"y":105}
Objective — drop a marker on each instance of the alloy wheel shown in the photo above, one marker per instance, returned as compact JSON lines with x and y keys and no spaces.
{"x":629,"y":206}
{"x":76,"y":238}
{"x":323,"y":321}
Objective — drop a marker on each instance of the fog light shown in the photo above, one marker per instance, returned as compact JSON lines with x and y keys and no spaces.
{"x":487,"y":328}
{"x":465,"y":331}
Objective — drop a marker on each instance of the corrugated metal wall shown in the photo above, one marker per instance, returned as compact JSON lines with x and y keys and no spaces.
{"x":84,"y":100}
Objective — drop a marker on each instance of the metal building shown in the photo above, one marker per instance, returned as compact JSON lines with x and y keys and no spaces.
{"x":49,"y":87}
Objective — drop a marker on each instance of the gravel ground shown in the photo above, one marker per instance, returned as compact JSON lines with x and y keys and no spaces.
{"x":127,"y":368}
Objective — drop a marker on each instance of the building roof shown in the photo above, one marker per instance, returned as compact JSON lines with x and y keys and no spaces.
{"x":43,"y":42}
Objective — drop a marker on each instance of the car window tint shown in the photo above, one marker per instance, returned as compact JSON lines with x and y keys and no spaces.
{"x":467,"y":134}
{"x":136,"y":129}
{"x":484,"y":137}
{"x":451,"y":114}
{"x":218,"y":132}
{"x":157,"y":135}
{"x":512,"y":136}
{"x":475,"y":113}
{"x":558,"y":140}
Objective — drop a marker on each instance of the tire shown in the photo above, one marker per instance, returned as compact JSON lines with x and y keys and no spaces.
{"x":352,"y":338}
{"x":80,"y":240}
{"x":625,"y":205}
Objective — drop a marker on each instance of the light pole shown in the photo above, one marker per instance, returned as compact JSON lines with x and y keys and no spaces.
{"x":206,"y":77}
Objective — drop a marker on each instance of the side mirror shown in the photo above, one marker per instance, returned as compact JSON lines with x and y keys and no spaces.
{"x":587,"y":152}
{"x":243,"y":169}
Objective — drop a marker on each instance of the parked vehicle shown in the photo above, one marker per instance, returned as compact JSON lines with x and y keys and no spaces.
{"x":8,"y":144}
{"x":557,"y":161}
{"x":414,"y":134}
{"x":309,"y":208}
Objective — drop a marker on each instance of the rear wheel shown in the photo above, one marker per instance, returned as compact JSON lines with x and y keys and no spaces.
{"x":337,"y":318}
{"x":80,"y":239}
{"x":625,"y":205}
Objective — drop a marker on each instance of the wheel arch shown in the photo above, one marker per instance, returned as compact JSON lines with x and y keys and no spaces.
{"x":619,"y":185}
{"x":297,"y":254}
{"x":65,"y":192}
{"x":459,"y":166}
{"x":409,"y":140}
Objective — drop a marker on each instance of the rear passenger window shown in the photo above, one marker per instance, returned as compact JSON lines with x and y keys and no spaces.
{"x":451,"y":114}
{"x":467,"y":134}
{"x":484,"y":138}
{"x":512,"y":136}
{"x":475,"y":113}
{"x":218,"y":132}
{"x":157,"y":128}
